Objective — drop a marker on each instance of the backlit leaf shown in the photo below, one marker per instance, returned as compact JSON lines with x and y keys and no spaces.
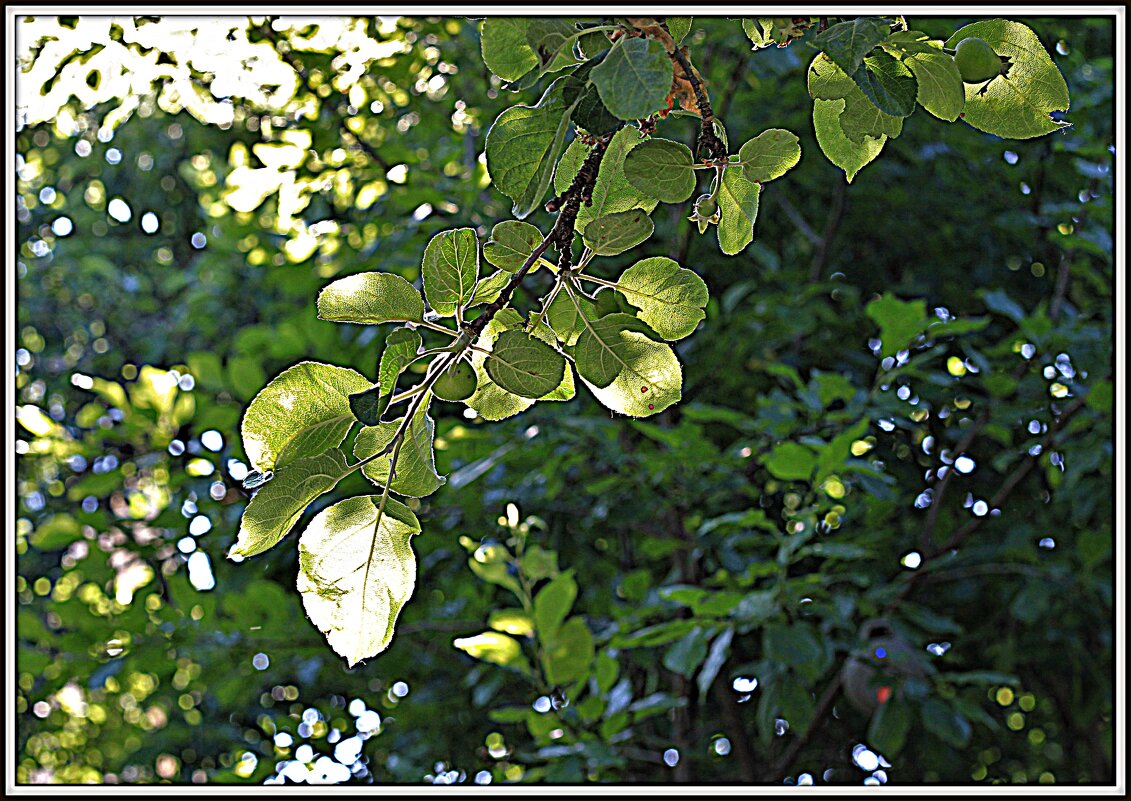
{"x":450,"y":270}
{"x":738,"y":203}
{"x":670,"y":298}
{"x":662,"y":169}
{"x":769,"y":155}
{"x":524,"y":366}
{"x":279,"y":503}
{"x":620,"y":360}
{"x":305,"y":409}
{"x":616,"y":233}
{"x":416,"y":474}
{"x":1018,"y":105}
{"x":356,"y":571}
{"x":370,"y":298}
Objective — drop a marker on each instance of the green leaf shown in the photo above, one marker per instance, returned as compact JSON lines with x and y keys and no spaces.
{"x":862,"y":119}
{"x":401,"y":347}
{"x":890,"y":725}
{"x":489,"y":288}
{"x":567,"y":656}
{"x":612,"y":192}
{"x":491,"y":401}
{"x":791,"y":461}
{"x":838,"y":148}
{"x":946,"y":724}
{"x":565,"y":319}
{"x":1018,"y":105}
{"x":900,"y":321}
{"x":305,"y":410}
{"x":356,"y":571}
{"x":57,"y":531}
{"x":366,"y":406}
{"x":687,"y":654}
{"x":939,"y":87}
{"x":716,"y":658}
{"x":888,"y":83}
{"x":679,"y":27}
{"x":525,"y":366}
{"x":625,"y":367}
{"x":769,"y":155}
{"x":278,"y":504}
{"x":794,"y":645}
{"x":616,"y":233}
{"x":370,"y":298}
{"x":502,"y":41}
{"x":552,"y":604}
{"x":738,"y":204}
{"x":635,"y":77}
{"x":834,"y":455}
{"x":590,"y":113}
{"x":846,"y":43}
{"x":671,"y":299}
{"x":662,"y":169}
{"x":496,"y":648}
{"x":546,"y":36}
{"x":450,"y":270}
{"x":416,"y":474}
{"x":511,"y":244}
{"x":859,"y":117}
{"x":759,"y":31}
{"x":524,"y":142}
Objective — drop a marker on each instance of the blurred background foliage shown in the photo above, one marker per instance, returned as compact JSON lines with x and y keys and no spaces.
{"x":185,"y":187}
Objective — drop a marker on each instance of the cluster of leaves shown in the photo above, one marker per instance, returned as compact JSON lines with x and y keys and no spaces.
{"x":702,"y":543}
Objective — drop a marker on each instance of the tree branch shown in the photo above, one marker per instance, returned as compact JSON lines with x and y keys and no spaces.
{"x":824,"y":706}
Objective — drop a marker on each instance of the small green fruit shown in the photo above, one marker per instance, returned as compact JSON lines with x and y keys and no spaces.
{"x":457,"y":383}
{"x":976,"y":60}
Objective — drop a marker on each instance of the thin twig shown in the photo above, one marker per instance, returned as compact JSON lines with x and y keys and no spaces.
{"x":824,"y":706}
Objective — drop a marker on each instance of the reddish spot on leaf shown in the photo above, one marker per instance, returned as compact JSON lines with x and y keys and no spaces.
{"x":883,"y":694}
{"x":644,"y":389}
{"x":651,"y":406}
{"x":962,"y":115}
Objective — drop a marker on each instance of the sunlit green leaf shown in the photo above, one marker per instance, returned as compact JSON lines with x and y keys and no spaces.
{"x":939,"y":86}
{"x":511,"y":244}
{"x":356,"y":571}
{"x":1018,"y":105}
{"x":662,"y":169}
{"x":846,"y":43}
{"x":305,"y":409}
{"x":888,"y":83}
{"x":769,"y":155}
{"x":616,"y":233}
{"x":370,"y":298}
{"x":504,"y":47}
{"x":450,"y":269}
{"x":279,"y":503}
{"x":612,"y":192}
{"x":671,"y":299}
{"x":415,"y":474}
{"x":401,"y":347}
{"x":620,"y":360}
{"x":524,"y":143}
{"x":496,"y":648}
{"x":524,"y":366}
{"x":738,"y":204}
